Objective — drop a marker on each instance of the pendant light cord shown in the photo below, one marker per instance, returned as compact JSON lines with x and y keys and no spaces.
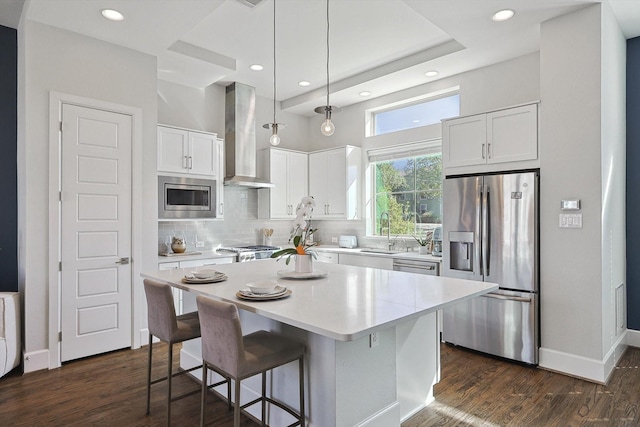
{"x":274,"y":63}
{"x":327,"y":54}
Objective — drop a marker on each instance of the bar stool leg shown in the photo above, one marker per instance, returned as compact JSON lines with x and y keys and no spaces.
{"x":149,"y":374}
{"x":169,"y":371}
{"x":204,"y":393}
{"x":236,"y":408}
{"x":264,"y":394}
{"x":301,"y":373}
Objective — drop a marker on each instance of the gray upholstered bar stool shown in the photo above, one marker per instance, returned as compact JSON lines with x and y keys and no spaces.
{"x":172,"y":329}
{"x":227,"y":352}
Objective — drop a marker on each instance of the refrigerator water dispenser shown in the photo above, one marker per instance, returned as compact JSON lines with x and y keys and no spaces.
{"x":461,"y":250}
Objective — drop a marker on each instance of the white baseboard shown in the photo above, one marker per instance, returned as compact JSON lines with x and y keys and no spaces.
{"x":36,"y":361}
{"x":582,"y":367}
{"x":386,"y":417}
{"x":633,"y":338}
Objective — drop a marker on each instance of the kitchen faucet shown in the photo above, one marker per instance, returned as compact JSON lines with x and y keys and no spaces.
{"x":389,"y":244}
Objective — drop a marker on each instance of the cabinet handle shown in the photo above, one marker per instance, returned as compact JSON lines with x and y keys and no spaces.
{"x":221,"y":208}
{"x":489,"y":150}
{"x":483,"y":151}
{"x":190,"y":162}
{"x":186,"y":162}
{"x":326,"y":209}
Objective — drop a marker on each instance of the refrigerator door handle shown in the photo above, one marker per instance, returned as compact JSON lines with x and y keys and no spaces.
{"x":487,"y":234}
{"x":506,"y":297}
{"x":478,"y":230}
{"x":485,"y":230}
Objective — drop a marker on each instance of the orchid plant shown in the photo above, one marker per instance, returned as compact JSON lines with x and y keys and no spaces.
{"x":301,"y":233}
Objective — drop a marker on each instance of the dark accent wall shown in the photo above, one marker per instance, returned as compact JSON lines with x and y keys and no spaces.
{"x":633,"y":183}
{"x":8,"y":161}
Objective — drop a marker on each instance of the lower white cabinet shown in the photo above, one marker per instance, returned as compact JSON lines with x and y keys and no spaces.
{"x":328,"y":257}
{"x":189,"y":263}
{"x":385,"y":263}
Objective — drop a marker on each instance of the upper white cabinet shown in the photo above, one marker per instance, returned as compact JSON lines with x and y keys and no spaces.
{"x":288,"y":171}
{"x":187,"y":152}
{"x":334,"y":182}
{"x":491,"y":141}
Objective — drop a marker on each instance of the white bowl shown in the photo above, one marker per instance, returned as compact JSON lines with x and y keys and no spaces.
{"x":204,"y":274}
{"x":265,"y":287}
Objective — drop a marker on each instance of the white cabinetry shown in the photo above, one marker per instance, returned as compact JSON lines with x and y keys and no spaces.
{"x":288,"y":171}
{"x":334,"y":182}
{"x":184,"y":151}
{"x":499,"y":140}
{"x":385,"y":263}
{"x":328,"y":257}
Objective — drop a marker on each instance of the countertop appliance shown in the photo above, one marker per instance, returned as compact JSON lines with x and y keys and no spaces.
{"x":246,"y":253}
{"x":348,"y":242}
{"x":186,"y":198}
{"x":491,"y":234}
{"x":418,"y":266}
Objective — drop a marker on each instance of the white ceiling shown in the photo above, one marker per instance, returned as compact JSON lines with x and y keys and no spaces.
{"x":380,"y":46}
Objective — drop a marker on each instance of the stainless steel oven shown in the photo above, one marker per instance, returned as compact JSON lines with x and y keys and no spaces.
{"x":186,"y":198}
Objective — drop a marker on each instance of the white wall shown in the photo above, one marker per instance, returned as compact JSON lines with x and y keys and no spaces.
{"x":582,"y":86}
{"x":64,"y":62}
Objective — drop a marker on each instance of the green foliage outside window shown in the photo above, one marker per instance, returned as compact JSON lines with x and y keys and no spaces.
{"x":410,"y":190}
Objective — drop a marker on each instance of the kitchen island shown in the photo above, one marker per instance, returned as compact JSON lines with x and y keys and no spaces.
{"x":371,"y":336}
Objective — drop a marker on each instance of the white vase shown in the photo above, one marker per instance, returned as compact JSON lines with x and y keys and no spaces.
{"x":304,"y":263}
{"x":423,"y":250}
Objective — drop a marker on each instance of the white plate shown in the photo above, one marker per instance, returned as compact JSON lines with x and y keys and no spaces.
{"x":205,"y":273}
{"x":290,"y":274}
{"x":279,"y":290}
{"x":264,"y":287}
{"x":253,"y":297}
{"x":193,"y":281}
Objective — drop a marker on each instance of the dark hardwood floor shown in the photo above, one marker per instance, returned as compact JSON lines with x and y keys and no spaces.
{"x":475,"y":390}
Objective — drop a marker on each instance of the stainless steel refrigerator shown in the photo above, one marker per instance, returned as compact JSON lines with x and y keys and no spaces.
{"x":490,"y":228}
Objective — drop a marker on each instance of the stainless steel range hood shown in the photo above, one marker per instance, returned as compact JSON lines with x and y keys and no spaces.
{"x":240,"y":137}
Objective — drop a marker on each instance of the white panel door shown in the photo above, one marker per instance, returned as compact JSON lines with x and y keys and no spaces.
{"x":95,"y":231}
{"x":297,"y":179}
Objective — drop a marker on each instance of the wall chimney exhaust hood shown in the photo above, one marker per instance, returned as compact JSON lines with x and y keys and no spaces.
{"x":240,"y":137}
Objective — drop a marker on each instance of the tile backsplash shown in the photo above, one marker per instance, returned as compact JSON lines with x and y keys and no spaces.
{"x":241,"y":225}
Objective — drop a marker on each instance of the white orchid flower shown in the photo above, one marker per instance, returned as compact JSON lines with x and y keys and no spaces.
{"x":309,"y":201}
{"x":300,"y":223}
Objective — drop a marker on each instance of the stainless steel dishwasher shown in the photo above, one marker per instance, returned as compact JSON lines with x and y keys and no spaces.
{"x":418,"y":266}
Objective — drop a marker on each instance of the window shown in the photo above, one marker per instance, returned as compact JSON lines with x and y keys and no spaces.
{"x":408,"y":116}
{"x":408,"y":186}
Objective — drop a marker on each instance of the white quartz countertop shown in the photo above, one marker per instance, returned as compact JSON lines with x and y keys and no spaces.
{"x":349,"y":303}
{"x":378,"y":253}
{"x":194,"y":256}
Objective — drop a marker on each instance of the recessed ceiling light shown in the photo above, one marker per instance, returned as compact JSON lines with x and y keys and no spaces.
{"x":303,"y":83}
{"x":365,"y":93}
{"x":431,"y":73}
{"x":503,"y":15}
{"x":256,"y":67}
{"x":112,"y":15}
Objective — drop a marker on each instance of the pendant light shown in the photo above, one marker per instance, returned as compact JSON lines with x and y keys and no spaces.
{"x":327,"y":128}
{"x":275,"y":138}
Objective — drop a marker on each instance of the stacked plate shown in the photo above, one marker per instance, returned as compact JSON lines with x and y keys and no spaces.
{"x":204,"y":276}
{"x":277,"y":293}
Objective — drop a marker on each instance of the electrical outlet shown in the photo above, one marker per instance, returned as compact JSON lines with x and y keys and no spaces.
{"x":373,"y":339}
{"x":199,"y":244}
{"x":334,"y":240}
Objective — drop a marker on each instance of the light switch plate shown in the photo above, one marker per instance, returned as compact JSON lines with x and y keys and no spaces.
{"x":570,"y":220}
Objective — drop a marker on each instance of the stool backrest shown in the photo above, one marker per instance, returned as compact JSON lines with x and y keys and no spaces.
{"x":161,"y":313}
{"x":222,"y":344}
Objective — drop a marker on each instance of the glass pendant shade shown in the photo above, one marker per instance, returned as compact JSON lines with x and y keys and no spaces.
{"x":327,"y":128}
{"x":275,"y":139}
